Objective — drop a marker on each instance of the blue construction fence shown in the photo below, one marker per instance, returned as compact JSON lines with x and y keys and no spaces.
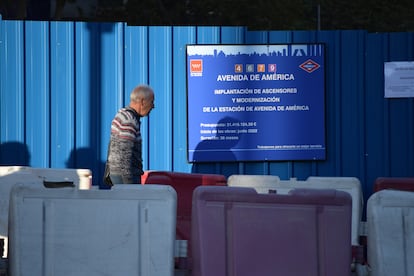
{"x":62,"y":82}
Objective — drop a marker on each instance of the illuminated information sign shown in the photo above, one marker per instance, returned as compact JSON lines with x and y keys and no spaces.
{"x":255,"y":102}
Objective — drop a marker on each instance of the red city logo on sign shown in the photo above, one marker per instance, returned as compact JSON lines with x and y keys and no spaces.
{"x":196,"y":66}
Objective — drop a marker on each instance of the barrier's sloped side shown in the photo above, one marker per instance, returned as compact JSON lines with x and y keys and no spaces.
{"x":390,"y":233}
{"x":237,"y":231}
{"x":128,"y":230}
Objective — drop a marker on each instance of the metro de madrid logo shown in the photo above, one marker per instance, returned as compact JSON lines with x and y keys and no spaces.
{"x":196,"y":67}
{"x":309,"y":66}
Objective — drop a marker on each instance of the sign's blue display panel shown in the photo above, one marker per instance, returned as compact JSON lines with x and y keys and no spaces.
{"x":256,"y":102}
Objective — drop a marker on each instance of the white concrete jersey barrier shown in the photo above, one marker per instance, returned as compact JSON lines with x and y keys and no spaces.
{"x":128,"y":230}
{"x":390,"y":237}
{"x":11,"y":175}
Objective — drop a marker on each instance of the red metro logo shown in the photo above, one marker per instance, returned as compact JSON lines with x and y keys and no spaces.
{"x":309,"y":66}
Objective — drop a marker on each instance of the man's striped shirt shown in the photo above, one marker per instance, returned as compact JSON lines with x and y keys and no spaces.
{"x":125,"y":149}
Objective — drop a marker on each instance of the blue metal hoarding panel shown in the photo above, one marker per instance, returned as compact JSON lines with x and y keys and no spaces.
{"x":160,"y":78}
{"x":12,"y":138}
{"x":135,"y":58}
{"x":181,"y":37}
{"x":110,"y":77}
{"x":37,"y":92}
{"x":62,"y":89}
{"x":136,"y":72}
{"x":280,"y":37}
{"x":84,"y":78}
{"x":352,"y":119}
{"x":233,"y":35}
{"x":257,"y":37}
{"x":87,"y":84}
{"x":12,"y":124}
{"x":208,"y":35}
{"x":304,"y":36}
{"x":376,"y":145}
{"x":400,"y":112}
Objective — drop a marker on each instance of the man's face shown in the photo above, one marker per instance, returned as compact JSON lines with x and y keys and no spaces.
{"x":147,"y":105}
